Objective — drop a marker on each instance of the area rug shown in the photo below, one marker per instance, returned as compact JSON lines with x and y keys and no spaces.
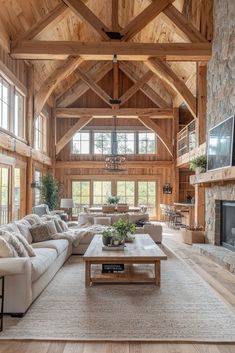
{"x":184,"y":308}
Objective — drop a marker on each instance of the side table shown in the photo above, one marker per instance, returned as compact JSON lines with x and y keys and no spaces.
{"x":2,"y":279}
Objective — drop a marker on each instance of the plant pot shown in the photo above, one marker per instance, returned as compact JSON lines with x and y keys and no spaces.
{"x":106,"y":240}
{"x":193,"y":236}
{"x":199,"y":170}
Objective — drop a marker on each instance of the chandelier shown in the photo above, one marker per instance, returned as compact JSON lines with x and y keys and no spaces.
{"x":114,"y":162}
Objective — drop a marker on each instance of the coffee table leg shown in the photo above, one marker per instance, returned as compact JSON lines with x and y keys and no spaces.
{"x":157,"y":273}
{"x":88,"y":273}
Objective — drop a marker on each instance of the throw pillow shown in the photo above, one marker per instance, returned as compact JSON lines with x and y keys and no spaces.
{"x":40,"y":232}
{"x":63,"y":225}
{"x":51,"y":227}
{"x":15,"y":243}
{"x":58,"y":226}
{"x":6,"y":250}
{"x":23,"y":227}
{"x":104,"y":221}
{"x":33,"y":219}
{"x":26,"y":245}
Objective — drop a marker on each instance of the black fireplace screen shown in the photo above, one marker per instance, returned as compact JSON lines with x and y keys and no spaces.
{"x":228,"y":224}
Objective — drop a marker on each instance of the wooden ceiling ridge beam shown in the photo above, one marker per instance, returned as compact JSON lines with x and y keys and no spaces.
{"x":142,"y":19}
{"x":161,"y":113}
{"x":81,"y":10}
{"x":136,"y":86}
{"x":94,"y":86}
{"x":48,"y":19}
{"x":166,"y":74}
{"x":64,"y":70}
{"x":184,"y":24}
{"x":105,"y":50}
{"x":96,"y":73}
{"x":147,"y":122}
{"x":146,"y":89}
{"x":81,"y":123}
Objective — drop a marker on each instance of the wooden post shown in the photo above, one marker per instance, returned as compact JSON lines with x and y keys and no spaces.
{"x":115,"y":83}
{"x":175,"y":173}
{"x":30,"y":138}
{"x":201,"y":101}
{"x":199,"y":206}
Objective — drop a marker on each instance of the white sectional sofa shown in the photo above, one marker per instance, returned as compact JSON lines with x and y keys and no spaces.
{"x":26,"y":277}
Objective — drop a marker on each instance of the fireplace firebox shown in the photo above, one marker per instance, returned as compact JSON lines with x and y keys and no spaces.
{"x":227,"y":233}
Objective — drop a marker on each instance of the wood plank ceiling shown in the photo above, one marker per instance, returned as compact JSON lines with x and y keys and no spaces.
{"x":151,"y":22}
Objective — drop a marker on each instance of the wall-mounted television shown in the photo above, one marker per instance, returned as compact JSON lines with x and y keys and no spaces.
{"x":220,"y":146}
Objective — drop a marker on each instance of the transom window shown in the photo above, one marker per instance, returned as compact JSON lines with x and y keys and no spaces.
{"x":5,"y":104}
{"x":81,"y":143}
{"x":102,"y":143}
{"x":101,"y":191}
{"x":40,"y":133}
{"x":146,"y":143}
{"x":89,"y":142}
{"x":125,"y":142}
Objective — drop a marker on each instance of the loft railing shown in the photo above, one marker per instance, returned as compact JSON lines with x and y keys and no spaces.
{"x":187,"y":139}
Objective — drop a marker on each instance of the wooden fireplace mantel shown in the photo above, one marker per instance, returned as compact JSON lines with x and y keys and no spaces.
{"x":222,"y":175}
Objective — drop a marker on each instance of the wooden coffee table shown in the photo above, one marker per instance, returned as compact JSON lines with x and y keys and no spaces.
{"x":142,"y":251}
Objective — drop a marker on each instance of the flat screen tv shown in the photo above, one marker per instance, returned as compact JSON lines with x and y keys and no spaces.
{"x":220,"y":147}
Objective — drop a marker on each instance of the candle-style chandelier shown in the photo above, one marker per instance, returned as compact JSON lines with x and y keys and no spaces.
{"x":115,"y":162}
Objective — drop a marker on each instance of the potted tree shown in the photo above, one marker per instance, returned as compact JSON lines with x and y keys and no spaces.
{"x":198,"y":164}
{"x":50,"y":191}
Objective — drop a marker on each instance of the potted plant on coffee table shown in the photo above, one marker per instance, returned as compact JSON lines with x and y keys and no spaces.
{"x":124,"y":229}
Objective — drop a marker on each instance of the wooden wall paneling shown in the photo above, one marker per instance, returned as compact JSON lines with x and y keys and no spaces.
{"x":201,"y":101}
{"x":185,"y":188}
{"x":199,"y":206}
{"x":15,"y":70}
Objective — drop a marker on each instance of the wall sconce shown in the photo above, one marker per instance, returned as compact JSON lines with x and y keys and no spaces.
{"x":167,"y":188}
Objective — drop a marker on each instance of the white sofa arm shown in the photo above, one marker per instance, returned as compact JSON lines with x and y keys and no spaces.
{"x":18,"y":284}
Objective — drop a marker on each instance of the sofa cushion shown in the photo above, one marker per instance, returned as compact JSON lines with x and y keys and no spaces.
{"x":42,"y":261}
{"x":63,"y":225}
{"x":116,"y":217}
{"x":10,"y":227}
{"x":26,"y":245}
{"x":51,"y":227}
{"x":134,"y":218}
{"x":33,"y":219}
{"x":87,"y":238}
{"x":15,"y":243}
{"x":58,"y":244}
{"x":40,"y":232}
{"x":23,"y":227}
{"x":104,"y":221}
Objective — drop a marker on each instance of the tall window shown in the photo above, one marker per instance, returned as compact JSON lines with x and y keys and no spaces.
{"x":102,"y":142}
{"x":40,"y":134}
{"x":101,"y":190}
{"x":80,"y":194}
{"x":146,"y":143}
{"x":17,"y":201}
{"x":37,"y":194}
{"x":4,"y":104}
{"x":126,"y":142}
{"x":18,"y":127}
{"x":81,"y":143}
{"x":126,"y":191}
{"x":4,"y":194}
{"x":147,"y":195}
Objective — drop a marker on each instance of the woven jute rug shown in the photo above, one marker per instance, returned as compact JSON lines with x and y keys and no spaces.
{"x":184,"y":308}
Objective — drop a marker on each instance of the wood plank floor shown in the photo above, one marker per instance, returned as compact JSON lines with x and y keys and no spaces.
{"x":219,"y":278}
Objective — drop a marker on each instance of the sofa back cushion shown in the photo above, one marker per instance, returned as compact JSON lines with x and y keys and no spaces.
{"x":33,"y":219}
{"x":40,"y":232}
{"x":14,"y":242}
{"x":104,"y":221}
{"x":26,"y":245}
{"x":116,"y":217}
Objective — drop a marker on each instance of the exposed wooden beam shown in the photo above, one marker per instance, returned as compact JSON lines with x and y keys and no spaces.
{"x":108,"y":112}
{"x":94,"y":86}
{"x":81,"y":123}
{"x":183,"y":24}
{"x":166,"y":74}
{"x":159,"y":132}
{"x":146,"y":16}
{"x":80,"y":9}
{"x":49,"y":19}
{"x":105,"y":50}
{"x":136,"y":86}
{"x":115,"y":24}
{"x":52,"y":81}
{"x":96,"y":73}
{"x":146,"y":89}
{"x":100,"y":164}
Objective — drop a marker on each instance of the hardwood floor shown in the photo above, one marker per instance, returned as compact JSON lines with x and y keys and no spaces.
{"x":219,"y":278}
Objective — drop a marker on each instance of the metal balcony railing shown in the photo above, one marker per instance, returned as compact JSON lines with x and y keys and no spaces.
{"x":187,"y":139}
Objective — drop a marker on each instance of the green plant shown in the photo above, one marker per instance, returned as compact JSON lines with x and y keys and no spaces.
{"x":123,"y":228}
{"x":113,"y":199}
{"x":198,"y":162}
{"x":50,"y":190}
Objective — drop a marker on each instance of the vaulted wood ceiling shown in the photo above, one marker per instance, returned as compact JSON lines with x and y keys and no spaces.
{"x":23,"y":20}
